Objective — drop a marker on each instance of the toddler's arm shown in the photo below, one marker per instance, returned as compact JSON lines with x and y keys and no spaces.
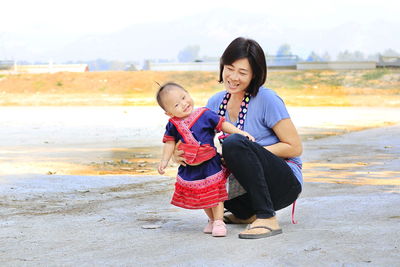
{"x":168,"y":149}
{"x":231,"y":129}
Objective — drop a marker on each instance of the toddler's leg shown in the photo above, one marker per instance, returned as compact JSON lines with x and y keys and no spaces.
{"x":209,"y":226}
{"x":219,"y":228}
{"x":218,"y":211}
{"x":209,"y":213}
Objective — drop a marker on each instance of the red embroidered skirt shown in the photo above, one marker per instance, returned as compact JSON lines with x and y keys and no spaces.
{"x":201,"y":194}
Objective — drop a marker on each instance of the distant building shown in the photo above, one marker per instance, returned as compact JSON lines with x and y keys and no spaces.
{"x":336,"y":65}
{"x":6,"y":64}
{"x":51,"y":68}
{"x":273,"y":62}
{"x":178,"y":66}
{"x":14,"y":68}
{"x":389,"y":61}
{"x":282,"y":62}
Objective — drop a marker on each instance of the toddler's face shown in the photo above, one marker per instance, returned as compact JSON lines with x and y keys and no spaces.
{"x":178,"y":103}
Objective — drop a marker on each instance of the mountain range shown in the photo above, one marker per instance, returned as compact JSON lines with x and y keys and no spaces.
{"x":212,"y":32}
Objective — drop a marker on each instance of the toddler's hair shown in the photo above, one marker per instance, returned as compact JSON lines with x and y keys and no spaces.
{"x":164,"y":89}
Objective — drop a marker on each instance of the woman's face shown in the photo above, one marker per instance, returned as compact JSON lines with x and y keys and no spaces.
{"x":237,"y":76}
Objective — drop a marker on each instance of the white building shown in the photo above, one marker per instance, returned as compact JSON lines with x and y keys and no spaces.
{"x":190,"y":66}
{"x":336,"y":65}
{"x":50,"y":68}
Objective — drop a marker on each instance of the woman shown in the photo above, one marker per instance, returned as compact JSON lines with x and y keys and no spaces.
{"x":269,"y":169}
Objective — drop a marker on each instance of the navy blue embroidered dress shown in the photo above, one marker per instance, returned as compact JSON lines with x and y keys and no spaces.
{"x":202,"y":186}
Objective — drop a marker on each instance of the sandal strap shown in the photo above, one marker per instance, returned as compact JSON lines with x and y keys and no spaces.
{"x":260,"y":226}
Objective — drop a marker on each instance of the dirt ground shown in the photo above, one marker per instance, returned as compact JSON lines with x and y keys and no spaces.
{"x":78,"y":183}
{"x":348,"y":216}
{"x":56,"y":209}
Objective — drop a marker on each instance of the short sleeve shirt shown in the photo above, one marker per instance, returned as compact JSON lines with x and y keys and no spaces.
{"x":265,"y":110}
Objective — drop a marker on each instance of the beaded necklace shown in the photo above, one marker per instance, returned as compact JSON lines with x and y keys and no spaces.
{"x":243,"y":109}
{"x":235,"y":189}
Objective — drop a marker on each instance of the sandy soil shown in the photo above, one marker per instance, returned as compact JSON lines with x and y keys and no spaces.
{"x":380,"y":87}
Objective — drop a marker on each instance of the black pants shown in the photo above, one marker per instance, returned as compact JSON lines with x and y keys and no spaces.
{"x":268,"y":180}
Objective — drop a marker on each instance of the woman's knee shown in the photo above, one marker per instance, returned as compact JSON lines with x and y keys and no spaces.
{"x":232,"y":143}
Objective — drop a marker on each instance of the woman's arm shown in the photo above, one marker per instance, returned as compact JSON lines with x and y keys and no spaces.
{"x":290,"y":143}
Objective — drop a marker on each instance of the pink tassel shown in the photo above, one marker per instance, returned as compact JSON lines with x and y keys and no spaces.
{"x":293,"y":207}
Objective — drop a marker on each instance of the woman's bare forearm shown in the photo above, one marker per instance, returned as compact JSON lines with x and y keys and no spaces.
{"x":285,"y":150}
{"x":290,"y":143}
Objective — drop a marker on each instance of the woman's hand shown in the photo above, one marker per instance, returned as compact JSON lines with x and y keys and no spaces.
{"x":177,"y":155}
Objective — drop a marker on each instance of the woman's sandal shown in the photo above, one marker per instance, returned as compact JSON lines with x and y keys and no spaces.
{"x":270,"y":232}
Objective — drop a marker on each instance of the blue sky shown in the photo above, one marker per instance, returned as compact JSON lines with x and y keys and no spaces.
{"x":44,"y":25}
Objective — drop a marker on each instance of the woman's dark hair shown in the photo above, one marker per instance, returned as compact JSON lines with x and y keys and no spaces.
{"x":250,"y":49}
{"x":163,"y":89}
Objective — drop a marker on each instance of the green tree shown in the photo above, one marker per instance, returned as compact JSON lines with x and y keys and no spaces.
{"x":351,"y":56}
{"x":326,"y":57}
{"x":313,"y":57}
{"x":390,"y":53}
{"x":284,"y":50}
{"x":343,"y":56}
{"x":189,"y":53}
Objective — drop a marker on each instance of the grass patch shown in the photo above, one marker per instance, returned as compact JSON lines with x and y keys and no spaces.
{"x":296,"y":80}
{"x":375,"y":74}
{"x":38,"y":85}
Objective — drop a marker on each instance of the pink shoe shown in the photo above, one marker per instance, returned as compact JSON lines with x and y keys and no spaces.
{"x":209,"y":227}
{"x":219,"y":228}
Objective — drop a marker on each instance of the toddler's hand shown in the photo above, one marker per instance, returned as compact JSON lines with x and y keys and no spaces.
{"x":161,"y":167}
{"x":249,"y":136}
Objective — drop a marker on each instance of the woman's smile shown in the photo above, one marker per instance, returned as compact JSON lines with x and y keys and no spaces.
{"x":233,"y":85}
{"x":237,"y":76}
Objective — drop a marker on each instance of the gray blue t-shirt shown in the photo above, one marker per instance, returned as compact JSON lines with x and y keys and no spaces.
{"x":264,"y":111}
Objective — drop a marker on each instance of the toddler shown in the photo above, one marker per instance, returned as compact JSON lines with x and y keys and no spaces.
{"x":200,"y":183}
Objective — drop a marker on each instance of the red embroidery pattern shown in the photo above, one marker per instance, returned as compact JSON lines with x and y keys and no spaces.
{"x":195,"y":153}
{"x":168,"y":138}
{"x":201,"y":184}
{"x":183,"y":125}
{"x":200,"y":194}
{"x":219,"y":125}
